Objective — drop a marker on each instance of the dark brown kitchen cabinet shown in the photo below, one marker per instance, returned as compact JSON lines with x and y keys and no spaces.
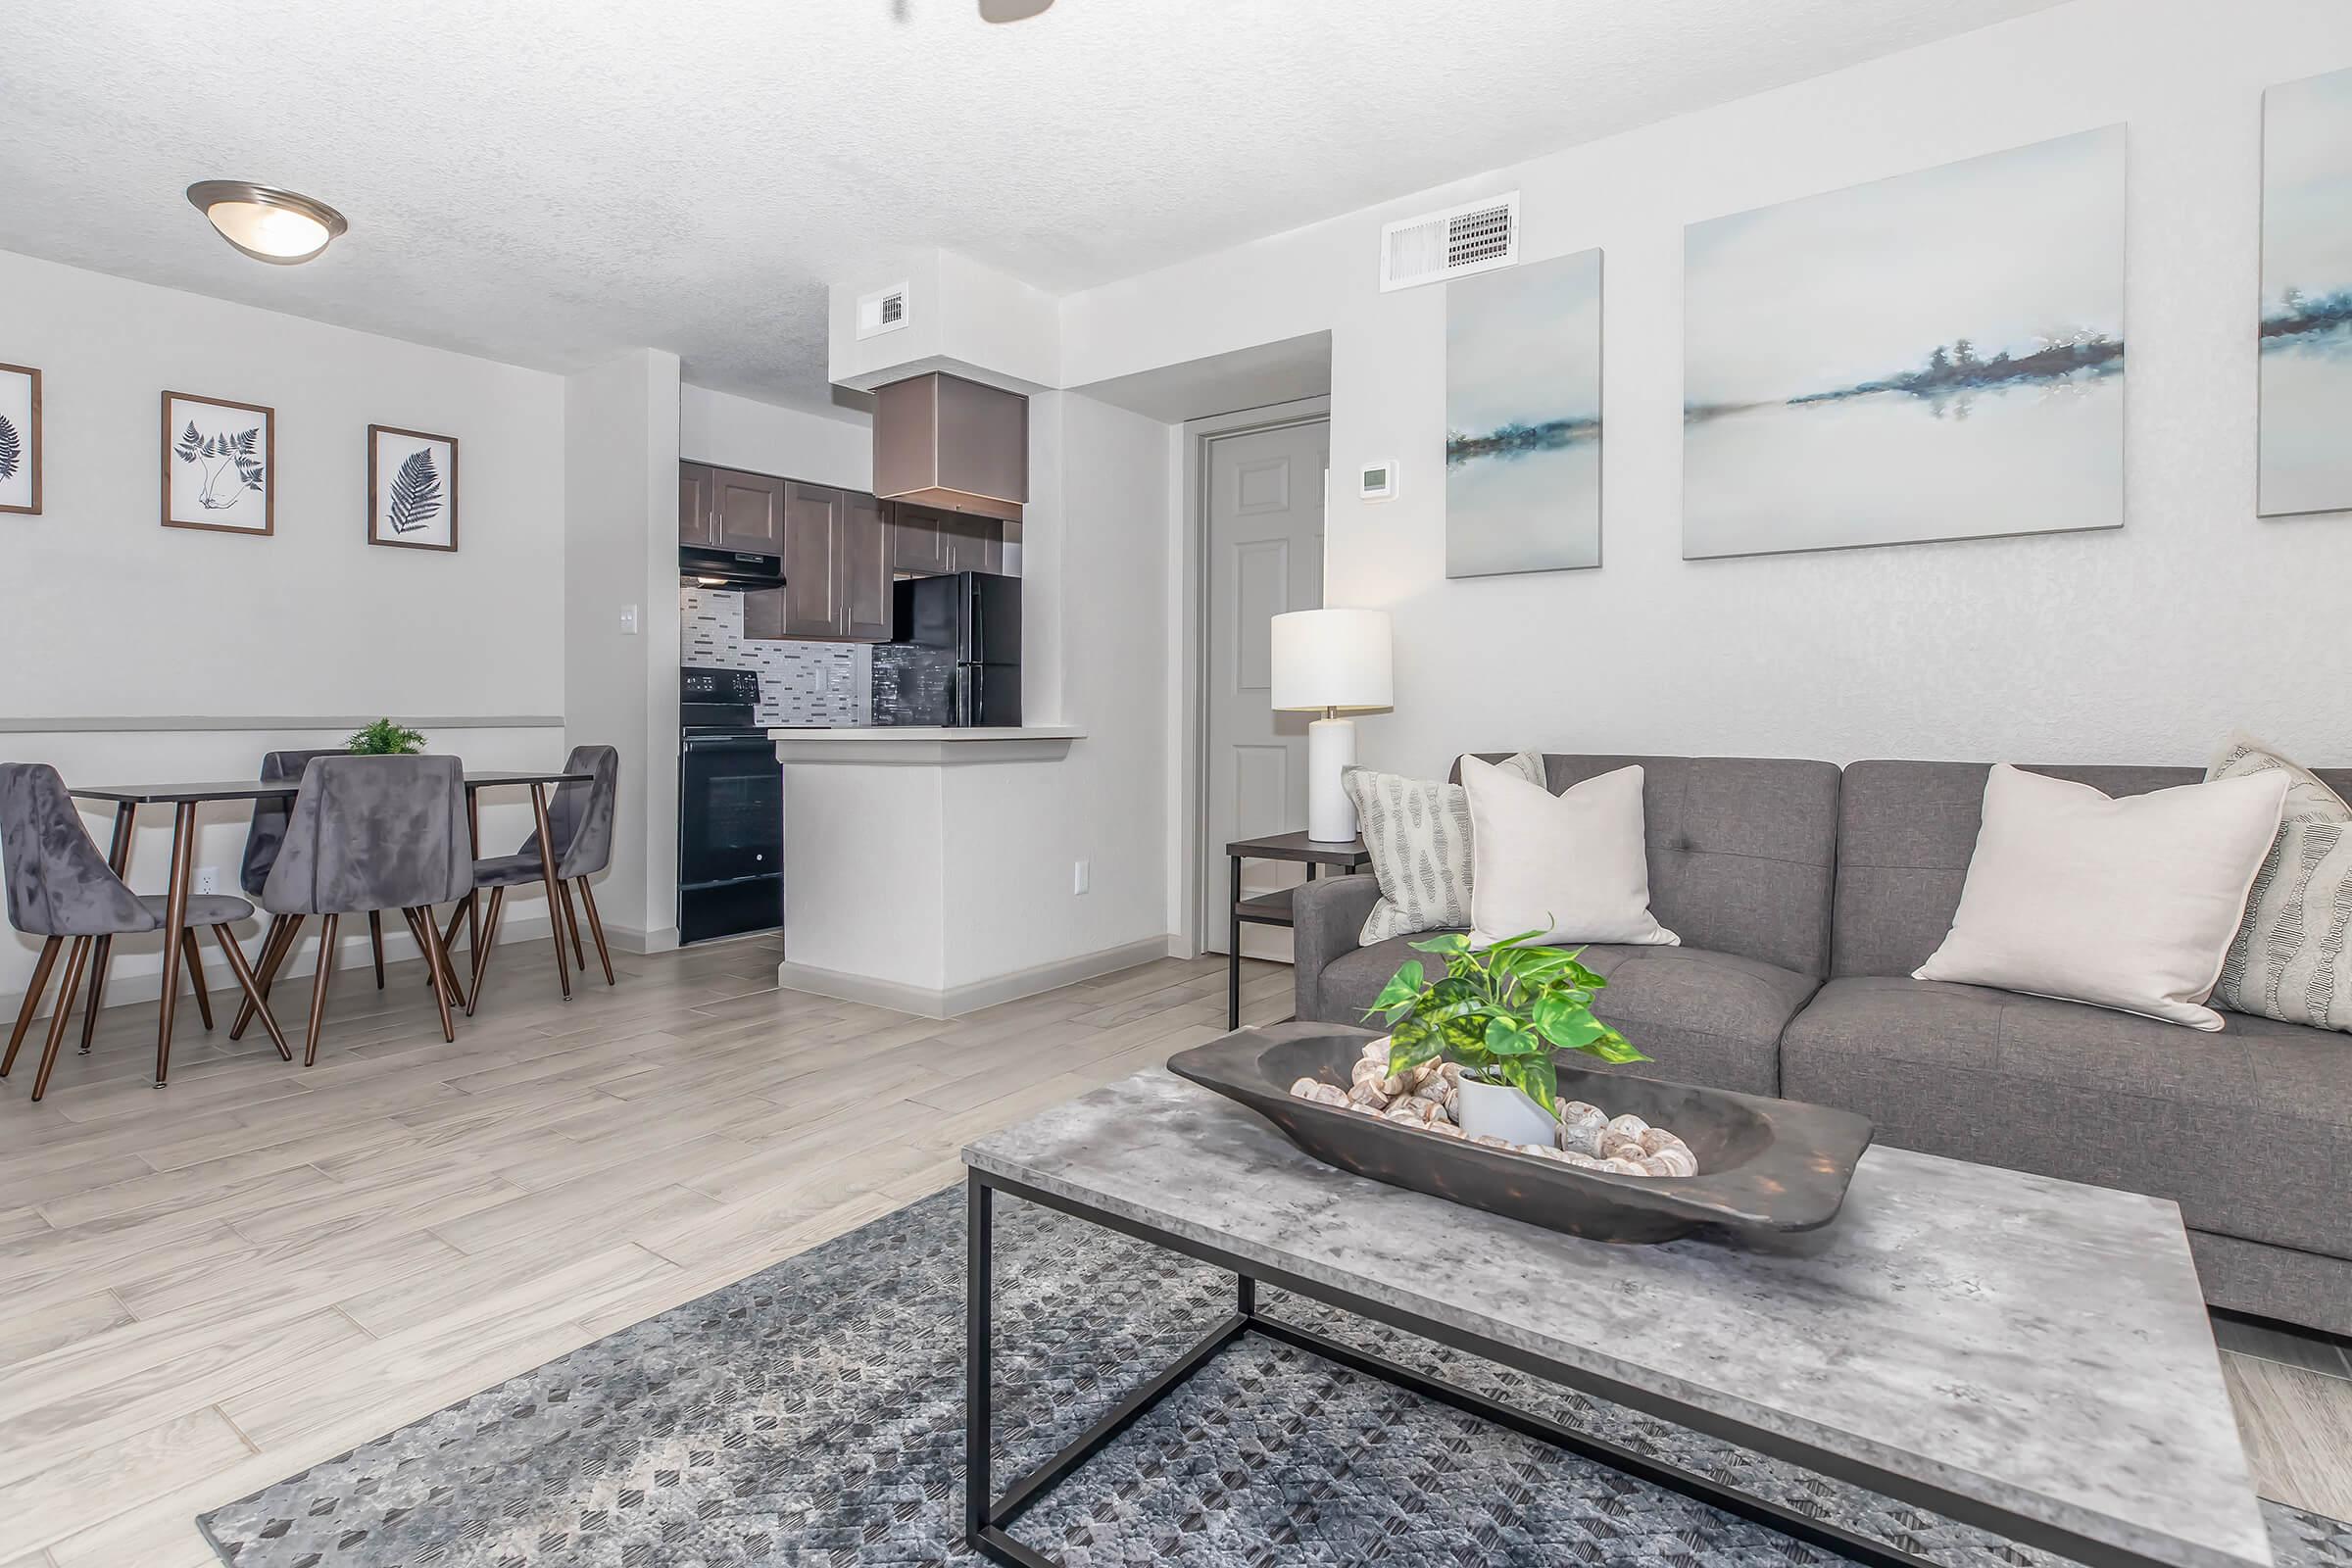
{"x":957,"y":445}
{"x":976,"y":544}
{"x":917,"y":546}
{"x":747,"y":511}
{"x":836,"y":569}
{"x":926,"y":543}
{"x":694,"y":504}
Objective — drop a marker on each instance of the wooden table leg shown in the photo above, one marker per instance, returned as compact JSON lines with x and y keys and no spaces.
{"x":117,"y":856}
{"x":176,"y":924}
{"x":473,"y":898}
{"x":555,"y":889}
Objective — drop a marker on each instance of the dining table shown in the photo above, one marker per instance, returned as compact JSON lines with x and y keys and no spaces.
{"x":185,"y":799}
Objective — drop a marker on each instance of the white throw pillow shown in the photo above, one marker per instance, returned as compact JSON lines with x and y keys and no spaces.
{"x":1574,"y":866}
{"x":1418,"y":835}
{"x":2127,"y":903}
{"x":2289,"y":961}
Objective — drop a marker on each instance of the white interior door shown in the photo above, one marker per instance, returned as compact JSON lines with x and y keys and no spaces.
{"x":1264,"y":538}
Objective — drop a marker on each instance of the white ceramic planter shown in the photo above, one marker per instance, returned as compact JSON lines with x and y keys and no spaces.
{"x":1498,"y":1110}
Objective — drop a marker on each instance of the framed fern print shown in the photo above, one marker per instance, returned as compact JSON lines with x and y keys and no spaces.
{"x":220,"y":465}
{"x":411,"y":489}
{"x":19,"y":439}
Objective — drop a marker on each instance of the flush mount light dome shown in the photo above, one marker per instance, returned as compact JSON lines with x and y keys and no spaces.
{"x":270,"y":225}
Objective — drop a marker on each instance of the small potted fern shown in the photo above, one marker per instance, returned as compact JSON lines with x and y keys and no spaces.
{"x":384,"y":738}
{"x":1497,"y":1012}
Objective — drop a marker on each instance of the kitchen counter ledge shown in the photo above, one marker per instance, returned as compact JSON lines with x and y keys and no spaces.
{"x":925,"y":746}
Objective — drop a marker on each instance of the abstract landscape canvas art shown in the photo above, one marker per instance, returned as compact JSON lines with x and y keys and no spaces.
{"x":411,"y":489}
{"x":2306,"y":328}
{"x":1935,"y":355}
{"x":1523,"y":419}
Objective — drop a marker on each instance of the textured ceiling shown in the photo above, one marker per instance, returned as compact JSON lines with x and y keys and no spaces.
{"x":552,"y":181}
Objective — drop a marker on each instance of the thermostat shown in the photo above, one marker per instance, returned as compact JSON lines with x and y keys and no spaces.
{"x":1378,"y":482}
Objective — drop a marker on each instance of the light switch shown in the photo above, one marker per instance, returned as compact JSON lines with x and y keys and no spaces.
{"x":628,"y":620}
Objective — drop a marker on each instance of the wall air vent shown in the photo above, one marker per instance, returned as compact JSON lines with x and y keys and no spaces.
{"x":1475,"y":237}
{"x":883,"y":310}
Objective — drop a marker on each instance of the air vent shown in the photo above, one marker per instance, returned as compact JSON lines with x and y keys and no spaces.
{"x":883,"y":310}
{"x":1475,"y":237}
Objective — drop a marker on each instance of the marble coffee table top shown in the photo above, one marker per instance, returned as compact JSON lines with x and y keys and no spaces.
{"x":2035,"y":1346}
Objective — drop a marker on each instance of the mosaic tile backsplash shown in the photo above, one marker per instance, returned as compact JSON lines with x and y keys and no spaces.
{"x":800,"y":683}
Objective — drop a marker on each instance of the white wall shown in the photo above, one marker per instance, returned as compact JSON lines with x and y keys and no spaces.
{"x":2142,"y":645}
{"x":1094,"y":604}
{"x":621,"y":550}
{"x":732,"y":432}
{"x":242,"y":644}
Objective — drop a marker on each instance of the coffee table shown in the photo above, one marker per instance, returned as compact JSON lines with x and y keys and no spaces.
{"x":2024,"y":1354}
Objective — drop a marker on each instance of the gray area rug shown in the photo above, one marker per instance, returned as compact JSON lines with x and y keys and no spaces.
{"x":812,"y":1414}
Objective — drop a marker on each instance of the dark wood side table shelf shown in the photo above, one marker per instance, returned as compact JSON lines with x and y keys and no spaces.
{"x":1274,"y":909}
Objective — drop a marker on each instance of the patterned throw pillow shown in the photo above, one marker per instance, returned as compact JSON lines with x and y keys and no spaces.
{"x":1418,"y":835}
{"x":2288,"y":960}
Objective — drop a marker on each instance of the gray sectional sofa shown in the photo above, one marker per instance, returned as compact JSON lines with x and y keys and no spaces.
{"x":1805,"y":895}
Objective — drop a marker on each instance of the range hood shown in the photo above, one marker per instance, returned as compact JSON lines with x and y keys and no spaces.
{"x":704,"y":567}
{"x":942,"y":441}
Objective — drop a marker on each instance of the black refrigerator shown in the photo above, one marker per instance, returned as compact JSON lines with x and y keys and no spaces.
{"x":955,"y":653}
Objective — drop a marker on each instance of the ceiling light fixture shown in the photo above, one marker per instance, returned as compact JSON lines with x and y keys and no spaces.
{"x":269,"y":224}
{"x":1012,"y":10}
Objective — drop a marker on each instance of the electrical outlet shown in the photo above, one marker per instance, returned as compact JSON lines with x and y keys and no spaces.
{"x":208,"y":879}
{"x":628,"y":620}
{"x":1081,"y":875}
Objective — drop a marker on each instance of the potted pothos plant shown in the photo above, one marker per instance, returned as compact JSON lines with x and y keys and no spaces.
{"x":1498,"y":1012}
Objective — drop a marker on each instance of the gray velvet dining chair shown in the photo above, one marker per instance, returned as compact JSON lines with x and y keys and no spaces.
{"x":372,"y":833}
{"x":579,"y":820}
{"x":262,"y":840}
{"x":59,"y":887}
{"x":269,"y":831}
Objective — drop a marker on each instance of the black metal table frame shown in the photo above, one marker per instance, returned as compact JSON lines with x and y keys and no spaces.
{"x":988,"y":1516}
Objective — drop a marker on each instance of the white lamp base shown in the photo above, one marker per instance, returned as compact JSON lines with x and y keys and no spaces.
{"x":1330,"y":748}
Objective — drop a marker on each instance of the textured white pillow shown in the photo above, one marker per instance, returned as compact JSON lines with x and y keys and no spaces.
{"x":1418,"y":835}
{"x":1573,"y":865}
{"x":2127,"y":903}
{"x":2291,"y":960}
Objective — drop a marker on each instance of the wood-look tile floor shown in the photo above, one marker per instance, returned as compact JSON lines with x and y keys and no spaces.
{"x":206,"y":1288}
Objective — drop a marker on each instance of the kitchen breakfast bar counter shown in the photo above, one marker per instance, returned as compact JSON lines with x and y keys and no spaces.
{"x":900,"y":861}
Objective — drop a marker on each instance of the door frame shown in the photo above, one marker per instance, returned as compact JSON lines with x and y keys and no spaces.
{"x":1191,"y":661}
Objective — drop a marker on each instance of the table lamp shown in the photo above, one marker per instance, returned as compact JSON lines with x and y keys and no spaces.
{"x":1325,"y":660}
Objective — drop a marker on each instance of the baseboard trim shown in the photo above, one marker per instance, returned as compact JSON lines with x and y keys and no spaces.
{"x":955,"y":1001}
{"x":629,"y":939}
{"x":127,"y":984}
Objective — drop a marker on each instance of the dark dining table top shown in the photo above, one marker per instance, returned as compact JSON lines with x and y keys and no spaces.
{"x":250,"y":789}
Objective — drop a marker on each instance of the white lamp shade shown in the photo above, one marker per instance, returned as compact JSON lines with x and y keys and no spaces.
{"x":1332,"y":659}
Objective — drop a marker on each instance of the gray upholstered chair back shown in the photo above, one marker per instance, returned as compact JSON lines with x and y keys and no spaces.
{"x":1743,"y":851}
{"x":1906,"y":831}
{"x":580,"y":817}
{"x":374,"y":833}
{"x":59,"y":885}
{"x":270,"y":818}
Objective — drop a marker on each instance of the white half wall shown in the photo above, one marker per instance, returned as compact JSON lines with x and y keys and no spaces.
{"x":216,"y":647}
{"x":1095,"y":609}
{"x":2142,"y":645}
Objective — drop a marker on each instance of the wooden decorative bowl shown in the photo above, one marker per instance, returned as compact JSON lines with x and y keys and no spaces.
{"x":1764,"y":1165}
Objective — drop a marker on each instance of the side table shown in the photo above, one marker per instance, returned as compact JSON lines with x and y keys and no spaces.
{"x":1274,"y":909}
